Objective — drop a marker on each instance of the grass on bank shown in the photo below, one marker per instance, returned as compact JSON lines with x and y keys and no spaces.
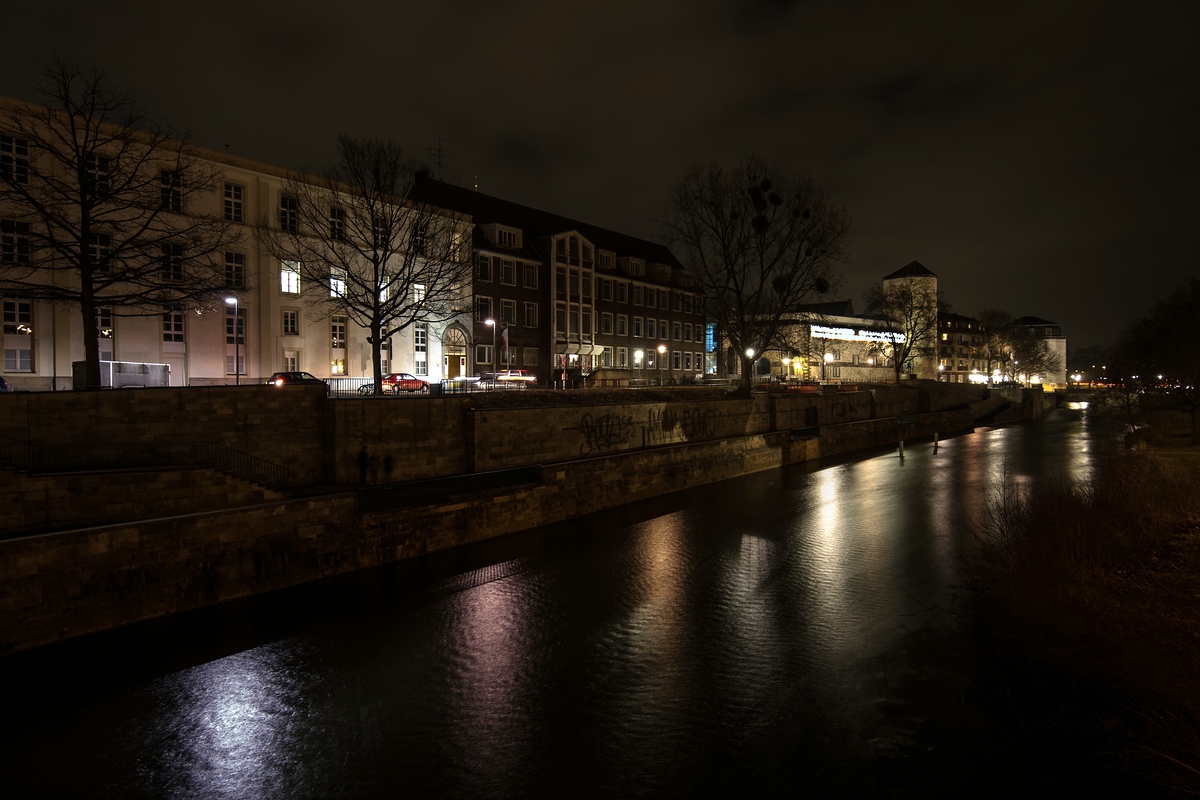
{"x":1089,"y":594}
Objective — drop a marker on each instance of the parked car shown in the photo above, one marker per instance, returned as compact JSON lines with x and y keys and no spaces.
{"x":295,"y":378}
{"x":4,"y":385}
{"x":399,"y":382}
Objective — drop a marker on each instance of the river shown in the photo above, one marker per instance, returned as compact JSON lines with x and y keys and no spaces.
{"x":789,"y":633}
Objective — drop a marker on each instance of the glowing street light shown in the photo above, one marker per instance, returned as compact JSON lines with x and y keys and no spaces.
{"x":237,"y":341}
{"x":827,"y":360}
{"x":491,"y":323}
{"x":662,"y":355}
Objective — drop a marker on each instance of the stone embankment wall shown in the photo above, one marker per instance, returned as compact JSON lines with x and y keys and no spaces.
{"x":39,"y":503}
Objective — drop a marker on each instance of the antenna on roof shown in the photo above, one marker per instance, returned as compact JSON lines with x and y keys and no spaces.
{"x":477,"y":183}
{"x":441,"y":154}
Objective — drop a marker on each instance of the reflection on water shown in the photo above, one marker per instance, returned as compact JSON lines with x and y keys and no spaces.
{"x":746,"y":638}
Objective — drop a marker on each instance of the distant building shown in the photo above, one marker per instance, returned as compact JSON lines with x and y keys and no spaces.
{"x":960,"y":357}
{"x":1050,"y":333}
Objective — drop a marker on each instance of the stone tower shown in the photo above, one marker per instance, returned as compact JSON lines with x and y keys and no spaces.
{"x":923,"y":284}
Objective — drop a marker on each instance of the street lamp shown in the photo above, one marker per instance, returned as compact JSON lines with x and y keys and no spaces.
{"x":637,"y":361}
{"x":786,"y":362}
{"x":828,"y":360}
{"x":662,"y":354}
{"x":491,"y":323}
{"x":237,"y":341}
{"x":750,"y":364}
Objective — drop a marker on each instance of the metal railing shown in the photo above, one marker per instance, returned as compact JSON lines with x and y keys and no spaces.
{"x":375,"y":499}
{"x":36,"y":458}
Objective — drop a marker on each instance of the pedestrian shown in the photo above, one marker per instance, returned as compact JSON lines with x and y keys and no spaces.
{"x":389,"y":464}
{"x":373,"y":460}
{"x":364,"y":460}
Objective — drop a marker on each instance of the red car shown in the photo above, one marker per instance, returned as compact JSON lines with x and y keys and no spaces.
{"x":399,"y":382}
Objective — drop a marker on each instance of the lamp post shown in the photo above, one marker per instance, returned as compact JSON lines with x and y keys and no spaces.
{"x":783,"y":373}
{"x":750,"y":363}
{"x":662,"y":355}
{"x":237,"y":341}
{"x":491,"y":323}
{"x":637,"y":361}
{"x":827,"y":360}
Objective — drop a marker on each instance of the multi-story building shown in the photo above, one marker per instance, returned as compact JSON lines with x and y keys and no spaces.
{"x":961,"y":343}
{"x":1042,"y":330}
{"x":570,"y":300}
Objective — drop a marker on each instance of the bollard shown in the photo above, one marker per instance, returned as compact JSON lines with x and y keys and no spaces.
{"x":935,"y":442}
{"x":901,"y":449}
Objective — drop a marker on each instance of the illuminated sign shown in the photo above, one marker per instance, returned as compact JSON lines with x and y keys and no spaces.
{"x":852,"y":335}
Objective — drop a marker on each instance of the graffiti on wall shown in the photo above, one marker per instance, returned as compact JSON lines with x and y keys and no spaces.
{"x":604,"y":432}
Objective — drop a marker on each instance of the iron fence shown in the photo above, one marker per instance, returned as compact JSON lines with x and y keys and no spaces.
{"x":75,"y":457}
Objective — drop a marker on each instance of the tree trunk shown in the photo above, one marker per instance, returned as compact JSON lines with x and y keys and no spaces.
{"x":747,"y":372}
{"x":376,"y":351}
{"x":91,"y":344}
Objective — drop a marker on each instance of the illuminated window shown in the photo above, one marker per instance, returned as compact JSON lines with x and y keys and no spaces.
{"x":289,"y":277}
{"x":337,"y":282}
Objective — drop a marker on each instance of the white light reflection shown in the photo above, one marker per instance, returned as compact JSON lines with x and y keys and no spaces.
{"x":235,"y":723}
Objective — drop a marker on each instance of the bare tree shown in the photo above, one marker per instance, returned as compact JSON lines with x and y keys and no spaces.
{"x":1033,"y":356}
{"x":759,"y":244}
{"x":910,"y":311}
{"x":103,"y":207}
{"x":997,"y":350}
{"x":361,"y":246}
{"x":1167,"y":343}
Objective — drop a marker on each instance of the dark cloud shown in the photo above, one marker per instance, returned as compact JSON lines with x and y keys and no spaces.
{"x":1039,"y":157}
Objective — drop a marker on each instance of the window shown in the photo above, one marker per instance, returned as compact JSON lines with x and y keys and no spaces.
{"x":170,"y":191}
{"x":416,"y":242}
{"x":289,"y":214}
{"x":606,"y":357}
{"x":18,"y":330}
{"x":585,"y":326}
{"x":235,"y":328}
{"x":604,"y":260}
{"x":508,"y":312}
{"x":639,"y":296}
{"x":99,"y":249}
{"x":291,"y":361}
{"x":483,"y":308}
{"x":622,"y":325}
{"x":636,"y":267}
{"x":529,"y":356}
{"x":337,"y":282}
{"x":289,"y":277}
{"x":483,"y":354}
{"x":560,"y":283}
{"x":531,"y":315}
{"x":687,"y":360}
{"x":606,"y":323}
{"x":698,"y":361}
{"x":14,"y":242}
{"x":560,"y":251}
{"x":173,"y":326}
{"x":420,"y":346}
{"x":508,"y":273}
{"x":573,"y":250}
{"x":291,"y":323}
{"x":622,"y":361}
{"x":587,"y":287}
{"x":96,"y":170}
{"x":337,"y":223}
{"x":235,"y":270}
{"x":337,"y":327}
{"x":381,"y":234}
{"x":605,"y":289}
{"x":662,"y":329}
{"x":531,"y":281}
{"x":14,"y":159}
{"x":483,"y":269}
{"x":622,"y":292}
{"x":678,"y":303}
{"x":687,"y":331}
{"x":172,"y":262}
{"x":104,"y":322}
{"x":560,"y":321}
{"x":506,"y":238}
{"x":587,"y":256}
{"x":418,"y":293}
{"x":18,"y":317}
{"x":677,"y":331}
{"x":574,"y":286}
{"x":651,"y":331}
{"x":637,"y":327}
{"x":676,"y":361}
{"x":234,"y":199}
{"x":649,"y":297}
{"x":337,"y":366}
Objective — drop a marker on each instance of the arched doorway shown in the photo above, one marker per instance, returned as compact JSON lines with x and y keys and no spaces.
{"x":454,"y":352}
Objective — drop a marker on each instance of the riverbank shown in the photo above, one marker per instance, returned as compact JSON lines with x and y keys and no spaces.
{"x":1086,"y":601}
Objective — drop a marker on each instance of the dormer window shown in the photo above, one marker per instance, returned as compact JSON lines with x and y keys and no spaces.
{"x":506,"y":238}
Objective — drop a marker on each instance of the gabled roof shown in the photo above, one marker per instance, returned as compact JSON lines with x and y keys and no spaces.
{"x":913,"y":269}
{"x":1029,"y":321}
{"x":485,"y":209}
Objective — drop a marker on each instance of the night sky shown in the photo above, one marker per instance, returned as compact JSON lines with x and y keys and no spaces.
{"x":1039,"y":157}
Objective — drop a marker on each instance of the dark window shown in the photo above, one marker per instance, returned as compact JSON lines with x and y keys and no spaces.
{"x":289,"y":215}
{"x":14,"y":242}
{"x":170,"y":191}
